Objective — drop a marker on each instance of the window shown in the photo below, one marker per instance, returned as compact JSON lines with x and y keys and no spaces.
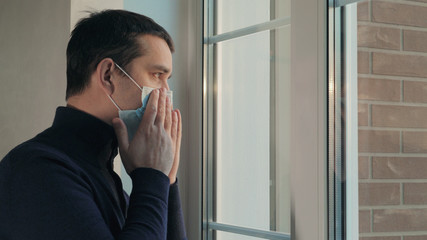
{"x":247,"y":119}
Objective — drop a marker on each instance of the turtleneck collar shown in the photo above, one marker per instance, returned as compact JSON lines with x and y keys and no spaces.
{"x":82,"y":136}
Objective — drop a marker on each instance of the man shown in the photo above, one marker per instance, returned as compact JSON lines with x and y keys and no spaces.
{"x":60,"y":184}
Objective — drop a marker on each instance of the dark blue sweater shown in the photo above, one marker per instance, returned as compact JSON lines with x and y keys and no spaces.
{"x":60,"y":185}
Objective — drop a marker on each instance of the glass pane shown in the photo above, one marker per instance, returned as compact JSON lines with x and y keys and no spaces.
{"x":232,"y":236}
{"x":252,"y":131}
{"x":392,"y":85}
{"x":236,"y":14}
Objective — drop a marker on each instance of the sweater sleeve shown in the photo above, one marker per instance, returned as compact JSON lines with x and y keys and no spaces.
{"x":47,"y":199}
{"x":147,"y":213}
{"x":176,"y":227}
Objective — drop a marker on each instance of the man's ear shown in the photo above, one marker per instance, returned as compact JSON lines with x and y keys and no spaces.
{"x":104,"y":76}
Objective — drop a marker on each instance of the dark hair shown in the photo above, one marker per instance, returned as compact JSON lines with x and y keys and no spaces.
{"x":107,"y":34}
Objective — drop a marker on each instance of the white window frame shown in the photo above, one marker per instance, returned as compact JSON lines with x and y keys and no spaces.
{"x":309,"y":131}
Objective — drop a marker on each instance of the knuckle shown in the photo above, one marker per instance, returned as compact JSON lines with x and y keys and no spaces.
{"x":153,"y":108}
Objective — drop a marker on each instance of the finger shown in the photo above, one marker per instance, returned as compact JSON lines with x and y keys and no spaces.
{"x":168,"y":117}
{"x":179,"y":130}
{"x":160,"y":118}
{"x":151,"y":110}
{"x":174,"y":136}
{"x":121,"y":133}
{"x":174,"y":128}
{"x":171,"y":100}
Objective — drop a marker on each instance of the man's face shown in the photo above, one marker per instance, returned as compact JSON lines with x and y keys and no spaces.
{"x":153,"y":69}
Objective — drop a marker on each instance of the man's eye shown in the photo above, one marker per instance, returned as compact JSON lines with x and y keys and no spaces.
{"x":157,"y":75}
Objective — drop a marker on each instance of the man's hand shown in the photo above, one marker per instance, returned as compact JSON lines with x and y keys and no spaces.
{"x":153,"y":145}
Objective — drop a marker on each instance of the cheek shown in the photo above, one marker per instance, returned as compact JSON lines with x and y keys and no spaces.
{"x":128,"y":97}
{"x":136,"y":98}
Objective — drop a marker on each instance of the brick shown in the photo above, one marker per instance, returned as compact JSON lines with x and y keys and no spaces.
{"x":399,"y":65}
{"x":381,"y":238}
{"x":363,"y":11}
{"x":399,"y":116}
{"x":415,"y":142}
{"x":364,"y":221}
{"x":399,"y":220}
{"x":379,"y":141}
{"x":373,"y":194}
{"x":378,"y":37}
{"x":415,"y":92}
{"x":399,"y":168}
{"x":414,"y":41}
{"x":363,"y":114}
{"x":420,"y":237}
{"x":415,"y":193}
{"x":363,"y":167}
{"x":363,"y":62}
{"x":401,"y":14}
{"x":379,"y":89}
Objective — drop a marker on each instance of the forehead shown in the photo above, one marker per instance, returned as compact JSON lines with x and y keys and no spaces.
{"x":156,"y":53}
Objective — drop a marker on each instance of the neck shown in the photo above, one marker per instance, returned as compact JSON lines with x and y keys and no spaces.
{"x":104,"y":111}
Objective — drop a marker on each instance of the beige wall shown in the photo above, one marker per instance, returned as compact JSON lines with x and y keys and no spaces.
{"x":81,"y":8}
{"x":392,"y":43}
{"x":33,"y":39}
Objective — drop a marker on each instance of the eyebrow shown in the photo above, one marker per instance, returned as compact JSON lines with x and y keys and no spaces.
{"x":162,"y":68}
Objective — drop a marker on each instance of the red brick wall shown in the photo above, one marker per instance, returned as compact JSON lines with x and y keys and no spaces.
{"x":392,"y":66}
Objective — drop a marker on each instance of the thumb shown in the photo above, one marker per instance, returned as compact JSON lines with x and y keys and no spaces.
{"x":121,"y":133}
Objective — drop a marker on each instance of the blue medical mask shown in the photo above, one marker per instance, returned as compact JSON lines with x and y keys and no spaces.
{"x":132,"y":118}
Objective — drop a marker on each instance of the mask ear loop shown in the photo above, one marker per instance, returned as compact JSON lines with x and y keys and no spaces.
{"x":121,"y":69}
{"x":115,"y":104}
{"x":111,"y":99}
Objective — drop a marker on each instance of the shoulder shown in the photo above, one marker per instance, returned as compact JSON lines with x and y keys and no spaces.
{"x":36,"y":171}
{"x":38,"y":160}
{"x":31,"y":151}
